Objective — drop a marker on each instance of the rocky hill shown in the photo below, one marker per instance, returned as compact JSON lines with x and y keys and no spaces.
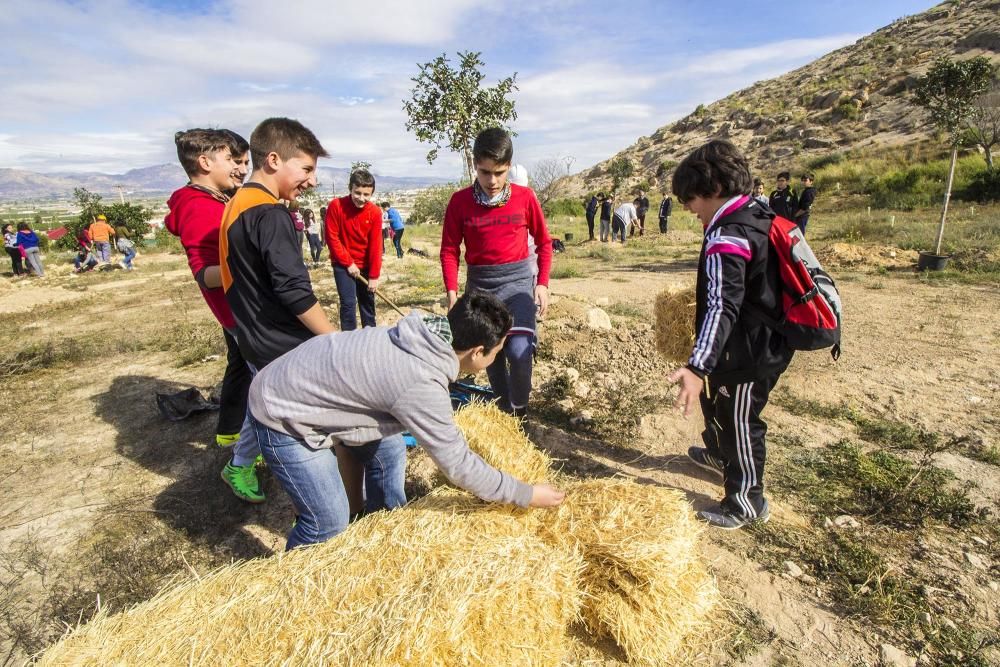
{"x":855,"y":97}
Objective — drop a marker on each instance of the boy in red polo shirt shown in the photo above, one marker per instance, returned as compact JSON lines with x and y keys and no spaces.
{"x":354,"y":236}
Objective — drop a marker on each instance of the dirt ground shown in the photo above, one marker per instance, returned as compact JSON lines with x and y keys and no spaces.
{"x":86,"y":451}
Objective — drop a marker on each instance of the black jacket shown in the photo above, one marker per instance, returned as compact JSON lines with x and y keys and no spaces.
{"x":592,"y":206}
{"x":606,"y":209}
{"x":666,"y":206}
{"x":736,"y":267}
{"x":806,"y":200}
{"x":784,"y":203}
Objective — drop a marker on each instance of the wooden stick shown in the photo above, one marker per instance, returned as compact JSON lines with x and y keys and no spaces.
{"x":384,"y":297}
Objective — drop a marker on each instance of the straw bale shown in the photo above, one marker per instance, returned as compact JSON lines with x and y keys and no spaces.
{"x":426,"y":585}
{"x":500,"y":440}
{"x":643,"y":584}
{"x":675,"y":311}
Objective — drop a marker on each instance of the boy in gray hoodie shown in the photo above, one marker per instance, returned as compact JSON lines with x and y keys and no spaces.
{"x":363,"y":388}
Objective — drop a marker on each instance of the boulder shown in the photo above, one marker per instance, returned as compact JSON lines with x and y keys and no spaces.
{"x":598,"y":320}
{"x":894,"y":657}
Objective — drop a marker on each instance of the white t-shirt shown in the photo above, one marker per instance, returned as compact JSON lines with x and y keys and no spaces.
{"x":627,"y":213}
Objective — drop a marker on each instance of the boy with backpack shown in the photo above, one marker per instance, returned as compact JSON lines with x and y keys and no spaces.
{"x":363,"y":389}
{"x":266,"y":283}
{"x":354,"y":236}
{"x":736,"y":359}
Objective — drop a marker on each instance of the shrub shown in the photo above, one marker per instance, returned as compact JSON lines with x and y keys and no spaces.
{"x":430,"y":205}
{"x":847,"y":108}
{"x":563,"y":206}
{"x":133,"y":217}
{"x":982,"y":187}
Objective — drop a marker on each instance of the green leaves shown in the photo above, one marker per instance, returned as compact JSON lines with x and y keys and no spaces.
{"x":449,"y":106}
{"x":948,"y":92}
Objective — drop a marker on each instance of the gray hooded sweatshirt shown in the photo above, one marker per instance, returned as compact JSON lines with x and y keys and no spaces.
{"x":357,"y":386}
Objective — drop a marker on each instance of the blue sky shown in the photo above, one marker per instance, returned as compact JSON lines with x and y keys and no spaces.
{"x":102,"y":86}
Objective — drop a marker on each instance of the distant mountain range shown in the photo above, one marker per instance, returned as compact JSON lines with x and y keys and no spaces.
{"x":160,"y":179}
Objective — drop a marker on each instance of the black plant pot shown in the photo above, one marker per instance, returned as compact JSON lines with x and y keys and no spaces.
{"x":930,"y":262}
{"x":569,"y":236}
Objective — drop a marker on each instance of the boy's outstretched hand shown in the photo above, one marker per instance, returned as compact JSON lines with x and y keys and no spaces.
{"x":542,"y":299}
{"x":546,"y":495}
{"x":691,"y":386}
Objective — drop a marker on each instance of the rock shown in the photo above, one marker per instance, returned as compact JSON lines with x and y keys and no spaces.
{"x":846,"y":521}
{"x":924,"y":617}
{"x":893,"y":657}
{"x":975,"y":560}
{"x":211,"y":357}
{"x":827,"y":101}
{"x":597,"y":319}
{"x":566,"y":404}
{"x":948,"y":623}
{"x":582,"y":417}
{"x":980,"y":541}
{"x":603,"y":301}
{"x":807,"y":579}
{"x":571,"y":374}
{"x":827,"y":523}
{"x":994,"y":586}
{"x":816,"y":142}
{"x":792,"y":569}
{"x":581,"y":390}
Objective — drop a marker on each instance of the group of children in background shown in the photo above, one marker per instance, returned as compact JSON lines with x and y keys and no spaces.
{"x":325,"y":407}
{"x":22,"y":248}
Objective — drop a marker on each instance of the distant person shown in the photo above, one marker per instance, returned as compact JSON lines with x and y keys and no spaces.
{"x":518,"y":175}
{"x":86,"y":258}
{"x":625,"y":216}
{"x":360,"y":390}
{"x":299,"y":222}
{"x":195,"y":217}
{"x":28,"y":242}
{"x":641,"y":204}
{"x":666,"y":207}
{"x":735,"y":360}
{"x":353,"y":235}
{"x":493,"y":218}
{"x":758,"y":192}
{"x":397,"y":226}
{"x":128,"y":251}
{"x":386,"y":229}
{"x":314,"y":234}
{"x":102,"y":233}
{"x":590,"y":209}
{"x":607,"y":204}
{"x":266,"y":283}
{"x":806,"y":201}
{"x":13,"y":251}
{"x":783,"y":200}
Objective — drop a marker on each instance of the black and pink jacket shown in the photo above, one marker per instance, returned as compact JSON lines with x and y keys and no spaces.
{"x":735,"y":267}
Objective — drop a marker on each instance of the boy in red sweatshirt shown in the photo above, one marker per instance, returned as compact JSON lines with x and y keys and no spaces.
{"x":354,"y":236}
{"x":493,"y":218}
{"x":195,"y":215}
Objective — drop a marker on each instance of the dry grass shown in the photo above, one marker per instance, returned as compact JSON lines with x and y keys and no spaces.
{"x":502,"y":443}
{"x":674,"y":327}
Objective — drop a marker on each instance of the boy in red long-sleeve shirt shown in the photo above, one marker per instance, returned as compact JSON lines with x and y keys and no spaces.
{"x":493,"y":218}
{"x":354,"y":236}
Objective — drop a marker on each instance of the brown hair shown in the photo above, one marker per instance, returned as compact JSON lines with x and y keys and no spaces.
{"x":283,"y":136}
{"x":193,"y":143}
{"x":237,"y":144}
{"x":717,"y":168}
{"x":361,"y":178}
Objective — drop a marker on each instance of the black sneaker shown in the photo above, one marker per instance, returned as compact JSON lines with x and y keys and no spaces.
{"x":701,"y":458}
{"x":724,"y":518}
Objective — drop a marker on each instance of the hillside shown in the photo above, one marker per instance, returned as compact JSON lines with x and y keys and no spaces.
{"x":855,"y":97}
{"x":157,"y":179}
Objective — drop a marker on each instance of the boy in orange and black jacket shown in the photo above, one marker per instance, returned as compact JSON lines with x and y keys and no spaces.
{"x":266,"y":283}
{"x":736,"y":359}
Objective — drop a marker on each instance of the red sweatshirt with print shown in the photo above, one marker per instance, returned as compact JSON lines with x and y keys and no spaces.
{"x":494,"y":235}
{"x":354,"y":235}
{"x":195,"y":216}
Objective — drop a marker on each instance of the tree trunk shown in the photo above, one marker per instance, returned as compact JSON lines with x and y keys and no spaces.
{"x":470,"y":170}
{"x":947,"y":198}
{"x":989,"y":158}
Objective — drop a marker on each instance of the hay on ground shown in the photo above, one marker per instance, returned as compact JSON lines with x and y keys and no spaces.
{"x":424,"y":585}
{"x":675,"y":311}
{"x":500,"y":440}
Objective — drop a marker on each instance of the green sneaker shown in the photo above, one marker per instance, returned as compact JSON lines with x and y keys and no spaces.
{"x":227,"y":440}
{"x":243,"y":481}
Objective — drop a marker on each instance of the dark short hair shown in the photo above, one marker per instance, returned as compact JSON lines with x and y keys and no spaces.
{"x":600,"y":195}
{"x":757,"y":182}
{"x":716,"y":168}
{"x":493,"y":144}
{"x":193,"y":143}
{"x":361,"y":178}
{"x":478,"y":318}
{"x":785,"y":175}
{"x":809,"y":175}
{"x":23,"y":226}
{"x":283,"y":136}
{"x":237,"y":144}
{"x":322,"y":212}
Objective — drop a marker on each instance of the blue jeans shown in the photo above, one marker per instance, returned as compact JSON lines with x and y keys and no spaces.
{"x":353,"y":295}
{"x":311,"y":478}
{"x":510,"y":372}
{"x":103,"y":250}
{"x":129,"y":255}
